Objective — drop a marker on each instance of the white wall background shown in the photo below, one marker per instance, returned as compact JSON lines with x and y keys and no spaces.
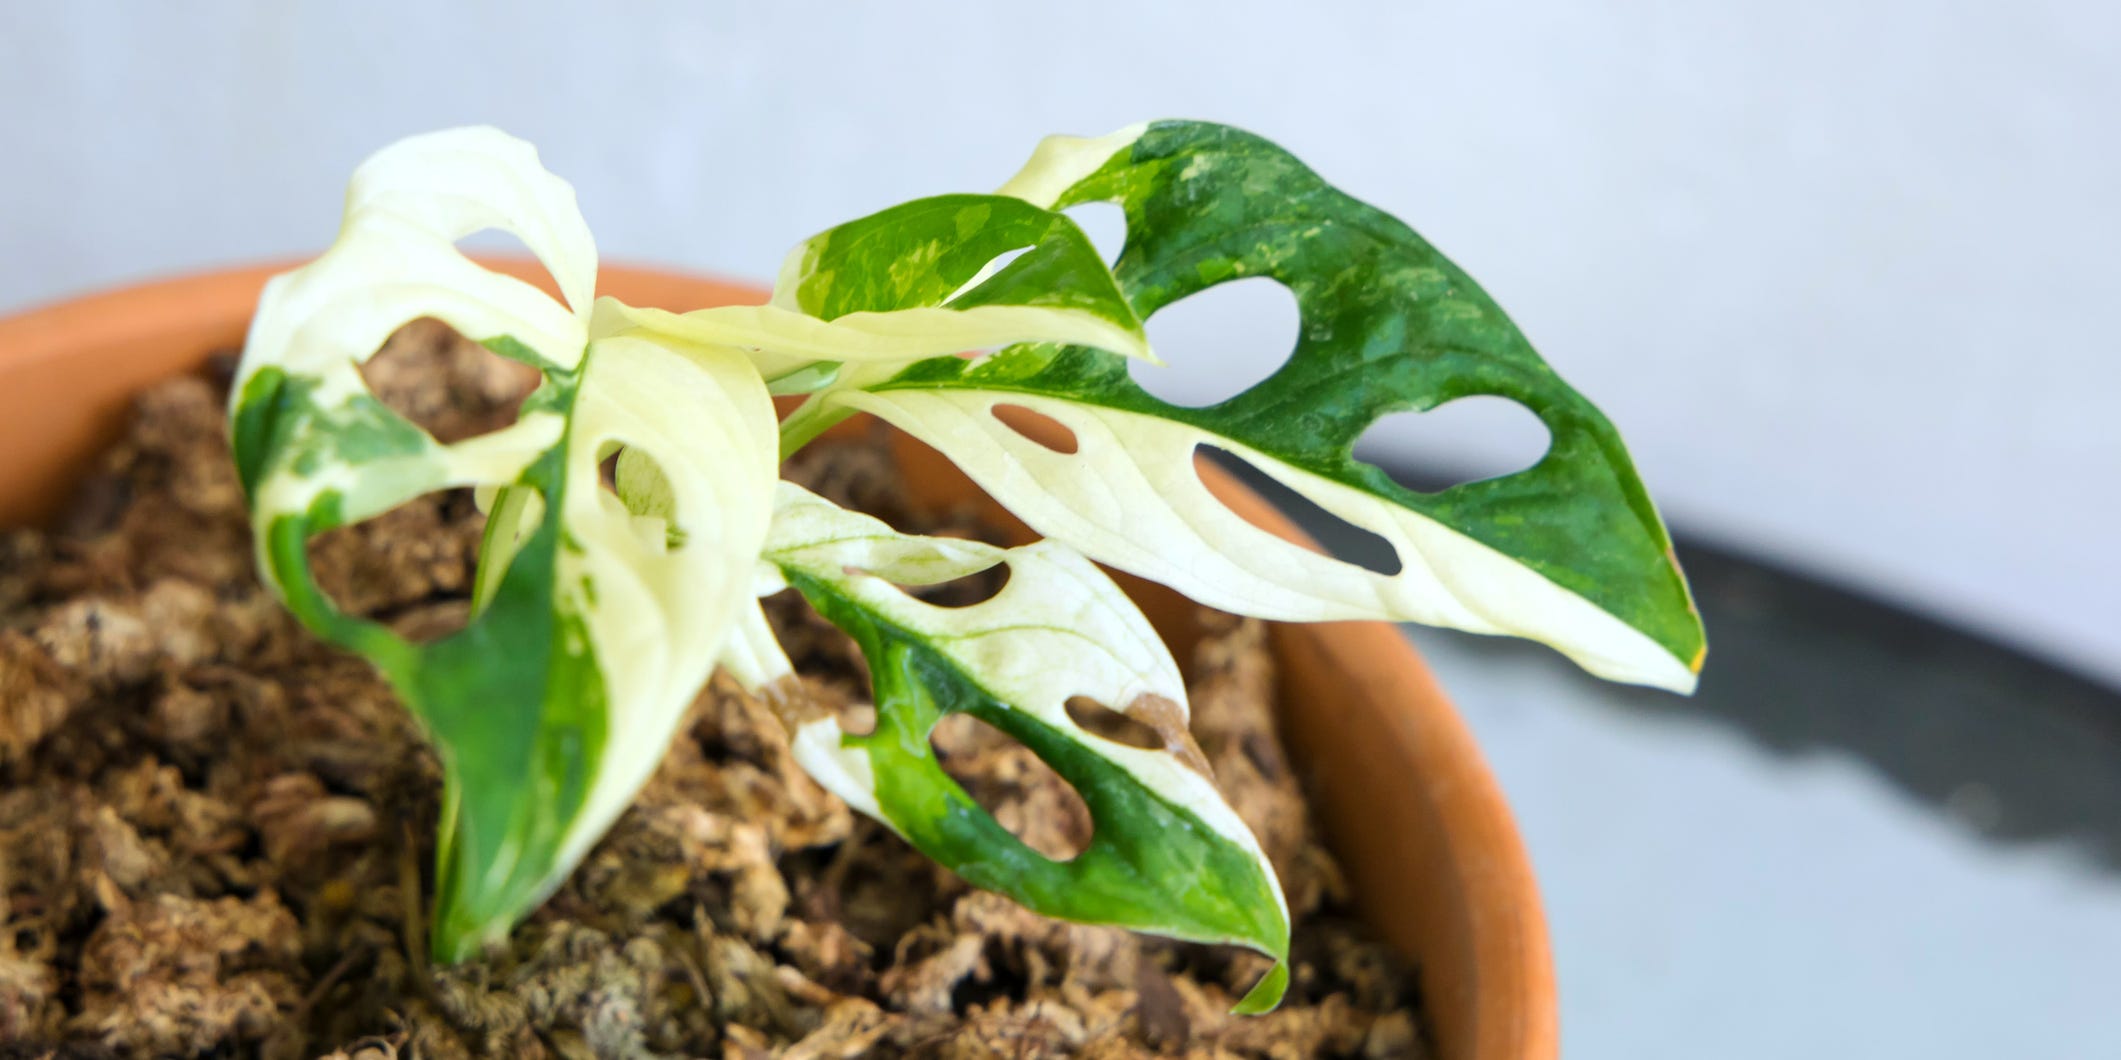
{"x":1844,"y":273}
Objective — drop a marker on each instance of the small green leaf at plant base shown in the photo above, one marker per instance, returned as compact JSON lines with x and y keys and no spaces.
{"x":1167,"y":855}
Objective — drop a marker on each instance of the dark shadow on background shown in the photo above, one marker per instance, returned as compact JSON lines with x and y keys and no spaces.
{"x":2009,"y":747}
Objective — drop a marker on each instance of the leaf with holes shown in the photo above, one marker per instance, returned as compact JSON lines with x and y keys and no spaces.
{"x":594,"y":615}
{"x":1569,"y":552}
{"x":591,"y":632}
{"x":1167,"y":856}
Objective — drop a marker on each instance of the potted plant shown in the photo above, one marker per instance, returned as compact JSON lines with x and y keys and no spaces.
{"x":634,"y":516}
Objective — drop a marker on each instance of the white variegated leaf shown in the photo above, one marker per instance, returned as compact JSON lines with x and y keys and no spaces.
{"x":781,"y":340}
{"x":590,"y":631}
{"x":1131,"y":496}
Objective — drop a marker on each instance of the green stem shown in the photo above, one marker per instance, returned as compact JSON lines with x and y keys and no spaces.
{"x":810,"y":419}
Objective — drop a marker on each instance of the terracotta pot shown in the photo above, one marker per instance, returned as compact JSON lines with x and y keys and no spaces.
{"x":1408,"y":805}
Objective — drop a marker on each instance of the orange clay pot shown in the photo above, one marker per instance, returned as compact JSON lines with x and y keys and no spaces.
{"x":1417,"y":821}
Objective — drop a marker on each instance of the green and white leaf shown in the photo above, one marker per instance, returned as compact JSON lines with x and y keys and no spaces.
{"x":1167,"y":855}
{"x":921,"y":279}
{"x":591,"y":633}
{"x":1570,"y":552}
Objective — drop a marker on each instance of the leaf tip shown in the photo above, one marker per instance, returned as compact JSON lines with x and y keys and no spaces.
{"x":1266,"y":996}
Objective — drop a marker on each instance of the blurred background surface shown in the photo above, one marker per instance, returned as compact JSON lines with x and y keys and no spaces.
{"x":1843,"y":274}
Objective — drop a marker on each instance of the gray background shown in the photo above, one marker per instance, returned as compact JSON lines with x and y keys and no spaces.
{"x":1844,"y":273}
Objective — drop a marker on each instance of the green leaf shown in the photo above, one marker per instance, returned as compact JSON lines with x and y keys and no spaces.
{"x":1168,"y":855}
{"x":1570,"y":552}
{"x":920,"y":279}
{"x":591,"y":632}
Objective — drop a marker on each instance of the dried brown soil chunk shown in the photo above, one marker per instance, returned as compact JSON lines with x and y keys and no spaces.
{"x":215,"y":832}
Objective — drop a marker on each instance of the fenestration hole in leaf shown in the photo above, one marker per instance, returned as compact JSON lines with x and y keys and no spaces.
{"x":856,"y":717}
{"x":1101,"y":720}
{"x":410,"y":568}
{"x":1106,"y":225}
{"x":1457,"y":442}
{"x":637,"y":479}
{"x":836,"y":677}
{"x":1037,"y":426}
{"x":451,"y":387}
{"x":1336,"y":537}
{"x":1021,"y":792}
{"x":1219,"y":343}
{"x":971,"y":590}
{"x":494,"y":246}
{"x":994,"y":265}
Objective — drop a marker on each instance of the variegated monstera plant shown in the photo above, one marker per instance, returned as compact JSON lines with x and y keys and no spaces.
{"x":598,"y":615}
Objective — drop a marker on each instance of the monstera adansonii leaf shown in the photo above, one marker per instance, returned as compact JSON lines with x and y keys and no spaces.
{"x":596,"y":614}
{"x":932,"y":277}
{"x":1167,"y":854}
{"x":593,"y":626}
{"x":1569,"y":552}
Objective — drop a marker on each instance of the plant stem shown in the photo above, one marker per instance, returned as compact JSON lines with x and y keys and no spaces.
{"x":810,"y":419}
